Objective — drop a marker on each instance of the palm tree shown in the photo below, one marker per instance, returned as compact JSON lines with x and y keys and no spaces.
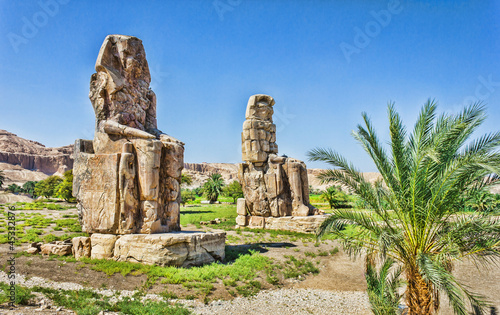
{"x":335,"y":197}
{"x":414,"y":218}
{"x":213,"y":186}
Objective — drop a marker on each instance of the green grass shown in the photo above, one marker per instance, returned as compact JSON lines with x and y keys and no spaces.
{"x":23,"y":295}
{"x":238,"y":275}
{"x":40,"y":205}
{"x":193,"y":215}
{"x":87,"y":302}
{"x":296,"y":267}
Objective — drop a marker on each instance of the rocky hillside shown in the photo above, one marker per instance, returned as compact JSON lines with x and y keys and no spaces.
{"x":24,"y":160}
{"x":34,"y":156}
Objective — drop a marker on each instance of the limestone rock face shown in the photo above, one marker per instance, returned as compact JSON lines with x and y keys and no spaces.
{"x":34,"y":156}
{"x":127,"y":180}
{"x":81,"y":247}
{"x":273,"y":186}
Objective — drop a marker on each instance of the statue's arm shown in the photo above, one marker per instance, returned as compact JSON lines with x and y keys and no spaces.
{"x":166,"y":138}
{"x":114,"y":128}
{"x":163,"y":136}
{"x":273,"y":158}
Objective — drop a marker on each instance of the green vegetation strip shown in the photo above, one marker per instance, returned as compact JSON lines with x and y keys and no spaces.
{"x":88,"y":302}
{"x":239,"y":277}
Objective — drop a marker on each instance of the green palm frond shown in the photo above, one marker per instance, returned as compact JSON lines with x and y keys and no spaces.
{"x":412,"y":214}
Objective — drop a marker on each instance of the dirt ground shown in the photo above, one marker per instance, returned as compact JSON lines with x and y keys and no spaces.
{"x":337,"y":271}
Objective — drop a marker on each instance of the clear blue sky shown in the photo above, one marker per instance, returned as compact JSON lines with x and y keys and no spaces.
{"x":324,"y":62}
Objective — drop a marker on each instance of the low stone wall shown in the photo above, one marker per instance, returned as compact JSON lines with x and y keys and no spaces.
{"x":307,"y":224}
{"x":180,"y":249}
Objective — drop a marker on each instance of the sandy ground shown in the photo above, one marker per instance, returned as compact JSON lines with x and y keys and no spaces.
{"x":338,"y":272}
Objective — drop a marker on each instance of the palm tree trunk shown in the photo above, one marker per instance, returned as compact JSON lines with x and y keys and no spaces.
{"x":419,"y":297}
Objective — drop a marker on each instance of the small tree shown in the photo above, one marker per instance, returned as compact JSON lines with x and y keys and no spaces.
{"x":29,"y":188}
{"x":186,"y":196}
{"x":414,"y":214}
{"x":2,"y":178}
{"x":213,"y":187}
{"x":48,"y":186}
{"x":14,"y":188}
{"x":186,"y":179}
{"x":335,"y":197}
{"x":233,"y":190}
{"x":65,"y":188}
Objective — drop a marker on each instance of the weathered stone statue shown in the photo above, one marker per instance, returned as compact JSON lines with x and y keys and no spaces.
{"x":127,"y":180}
{"x":273,"y":186}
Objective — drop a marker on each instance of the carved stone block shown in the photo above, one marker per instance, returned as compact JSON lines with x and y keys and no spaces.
{"x":81,"y":247}
{"x":102,"y":245}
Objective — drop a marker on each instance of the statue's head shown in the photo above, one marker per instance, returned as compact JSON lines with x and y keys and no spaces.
{"x":260,"y":106}
{"x":259,"y":132}
{"x":119,"y":91}
{"x":124,"y":54}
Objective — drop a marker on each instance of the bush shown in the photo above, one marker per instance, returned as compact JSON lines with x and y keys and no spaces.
{"x":48,"y":186}
{"x":187,"y":196}
{"x":15,"y":189}
{"x":233,"y":190}
{"x":22,"y":294}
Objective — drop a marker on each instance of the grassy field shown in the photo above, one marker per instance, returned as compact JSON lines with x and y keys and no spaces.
{"x":32,"y":225}
{"x":246,"y":270}
{"x":196,"y":213}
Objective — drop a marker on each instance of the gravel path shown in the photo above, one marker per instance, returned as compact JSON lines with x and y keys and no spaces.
{"x":292,"y":301}
{"x":276,"y":302}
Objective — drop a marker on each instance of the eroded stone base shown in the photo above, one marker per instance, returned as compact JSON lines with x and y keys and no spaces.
{"x":307,"y":224}
{"x":181,"y":249}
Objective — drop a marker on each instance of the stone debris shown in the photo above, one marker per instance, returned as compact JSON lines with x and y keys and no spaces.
{"x":59,"y":248}
{"x":214,"y":221}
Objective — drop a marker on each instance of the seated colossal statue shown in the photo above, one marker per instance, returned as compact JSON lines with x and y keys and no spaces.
{"x":127,"y":180}
{"x":273,"y":185}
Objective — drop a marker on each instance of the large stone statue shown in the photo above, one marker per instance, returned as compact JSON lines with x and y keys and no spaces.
{"x":127,"y":180}
{"x":274,"y":186}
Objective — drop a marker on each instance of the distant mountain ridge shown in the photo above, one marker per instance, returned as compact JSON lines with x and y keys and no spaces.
{"x":23,"y":160}
{"x":34,"y":156}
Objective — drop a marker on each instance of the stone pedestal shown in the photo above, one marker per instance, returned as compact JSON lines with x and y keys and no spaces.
{"x":308,"y":224}
{"x":180,"y":249}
